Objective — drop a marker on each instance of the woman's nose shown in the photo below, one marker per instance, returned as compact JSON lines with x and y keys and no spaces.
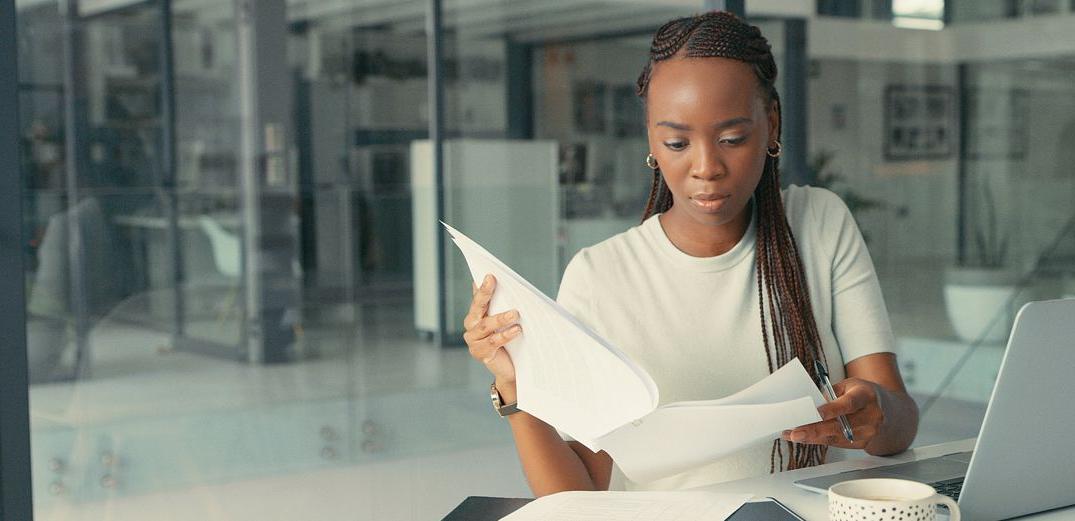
{"x":706,"y":165}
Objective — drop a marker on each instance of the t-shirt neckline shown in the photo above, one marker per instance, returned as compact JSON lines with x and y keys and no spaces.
{"x":729,"y":259}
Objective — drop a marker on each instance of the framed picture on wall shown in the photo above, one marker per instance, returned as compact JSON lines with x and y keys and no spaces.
{"x":918,"y":122}
{"x":589,"y":100}
{"x":996,"y":123}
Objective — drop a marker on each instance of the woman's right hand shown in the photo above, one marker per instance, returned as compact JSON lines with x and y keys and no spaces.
{"x":486,"y":336}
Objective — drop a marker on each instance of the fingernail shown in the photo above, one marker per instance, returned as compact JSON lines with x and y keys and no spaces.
{"x":516,"y":329}
{"x":485,"y":282}
{"x":785,"y":434}
{"x":798,"y":436}
{"x":513,"y":315}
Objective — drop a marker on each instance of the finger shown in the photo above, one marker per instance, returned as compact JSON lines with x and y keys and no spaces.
{"x":816,"y":431}
{"x":839,"y":407}
{"x":822,"y":433}
{"x":798,"y":437}
{"x":488,"y":325}
{"x":485,"y":348}
{"x":474,"y":316}
{"x":498,"y":340}
{"x":852,"y":401}
{"x":479,"y":305}
{"x":830,"y":432}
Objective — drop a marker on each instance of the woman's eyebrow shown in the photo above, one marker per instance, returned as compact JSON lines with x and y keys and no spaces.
{"x":724,"y":124}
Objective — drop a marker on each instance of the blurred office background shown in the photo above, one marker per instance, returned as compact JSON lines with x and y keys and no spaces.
{"x":238,"y":305}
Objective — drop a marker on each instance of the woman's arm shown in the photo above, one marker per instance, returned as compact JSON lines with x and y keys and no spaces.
{"x":899,"y":424}
{"x":883,"y":417}
{"x":552,"y":465}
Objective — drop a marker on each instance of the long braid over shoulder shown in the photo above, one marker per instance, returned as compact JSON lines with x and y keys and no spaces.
{"x":787,"y":320}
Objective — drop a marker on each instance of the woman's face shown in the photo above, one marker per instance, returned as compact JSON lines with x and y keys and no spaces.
{"x":708,"y":129}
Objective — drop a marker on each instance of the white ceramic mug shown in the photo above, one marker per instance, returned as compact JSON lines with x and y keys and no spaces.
{"x":887,"y":499}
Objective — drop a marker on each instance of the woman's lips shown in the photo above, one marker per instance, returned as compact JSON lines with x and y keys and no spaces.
{"x":709,"y":202}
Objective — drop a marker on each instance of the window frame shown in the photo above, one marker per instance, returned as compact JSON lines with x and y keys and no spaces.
{"x":16,"y":497}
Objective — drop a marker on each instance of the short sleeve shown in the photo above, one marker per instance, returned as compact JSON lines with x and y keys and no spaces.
{"x":859,"y":316}
{"x":574,"y":295}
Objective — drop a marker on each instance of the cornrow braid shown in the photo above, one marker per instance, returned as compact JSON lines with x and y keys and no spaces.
{"x":788,"y":329}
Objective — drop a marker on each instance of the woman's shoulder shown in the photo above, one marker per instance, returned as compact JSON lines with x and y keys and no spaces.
{"x":807,"y":205}
{"x":809,"y":197}
{"x":614,"y":249}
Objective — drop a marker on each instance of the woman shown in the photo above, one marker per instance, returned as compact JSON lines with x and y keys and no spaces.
{"x":719,"y":248}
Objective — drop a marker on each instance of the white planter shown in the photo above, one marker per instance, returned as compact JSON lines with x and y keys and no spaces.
{"x":981,"y":303}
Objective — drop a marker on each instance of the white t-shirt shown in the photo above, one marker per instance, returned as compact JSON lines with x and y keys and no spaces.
{"x":693,"y":322}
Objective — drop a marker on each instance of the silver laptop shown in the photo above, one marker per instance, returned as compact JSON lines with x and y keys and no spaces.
{"x":1023,"y":459}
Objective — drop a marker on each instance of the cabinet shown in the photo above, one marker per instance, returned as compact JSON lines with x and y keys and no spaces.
{"x":924,"y":362}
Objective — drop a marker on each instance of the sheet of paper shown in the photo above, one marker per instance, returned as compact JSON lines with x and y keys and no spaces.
{"x":632,"y":506}
{"x":683,"y":435}
{"x":788,"y":382}
{"x":566,"y":374}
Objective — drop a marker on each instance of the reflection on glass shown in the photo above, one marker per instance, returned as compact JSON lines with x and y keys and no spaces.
{"x":598,"y":120}
{"x":957,"y":186}
{"x":141,"y":288}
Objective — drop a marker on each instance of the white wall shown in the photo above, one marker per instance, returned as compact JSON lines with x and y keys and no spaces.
{"x":1029,"y":191}
{"x":920,"y":195}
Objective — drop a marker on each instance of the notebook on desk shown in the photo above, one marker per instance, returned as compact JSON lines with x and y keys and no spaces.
{"x":1022,"y":460}
{"x":478,"y":508}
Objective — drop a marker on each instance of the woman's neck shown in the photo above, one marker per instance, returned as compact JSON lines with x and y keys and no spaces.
{"x":701,"y":240}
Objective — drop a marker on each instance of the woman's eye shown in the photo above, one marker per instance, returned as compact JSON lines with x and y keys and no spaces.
{"x":675,"y":145}
{"x":734,"y":140}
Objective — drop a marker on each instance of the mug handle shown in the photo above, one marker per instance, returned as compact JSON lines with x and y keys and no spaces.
{"x":953,"y":507}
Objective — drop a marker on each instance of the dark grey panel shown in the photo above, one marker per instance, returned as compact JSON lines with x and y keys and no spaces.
{"x":794,"y":100}
{"x":734,"y":6}
{"x":16,"y":500}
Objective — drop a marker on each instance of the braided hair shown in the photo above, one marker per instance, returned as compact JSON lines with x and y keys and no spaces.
{"x":782,"y":290}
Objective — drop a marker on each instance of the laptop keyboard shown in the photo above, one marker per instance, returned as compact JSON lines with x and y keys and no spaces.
{"x":949,"y":487}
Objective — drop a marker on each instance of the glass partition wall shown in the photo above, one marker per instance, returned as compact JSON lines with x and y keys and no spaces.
{"x":234,"y":286}
{"x":220,"y":296}
{"x":947,"y":146}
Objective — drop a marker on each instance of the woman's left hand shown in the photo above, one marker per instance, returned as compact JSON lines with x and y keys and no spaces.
{"x":860,"y":401}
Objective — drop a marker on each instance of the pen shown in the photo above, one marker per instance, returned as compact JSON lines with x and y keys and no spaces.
{"x":826,"y":385}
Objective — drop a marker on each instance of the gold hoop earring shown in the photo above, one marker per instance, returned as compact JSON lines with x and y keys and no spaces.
{"x":651,"y":162}
{"x":779,"y":148}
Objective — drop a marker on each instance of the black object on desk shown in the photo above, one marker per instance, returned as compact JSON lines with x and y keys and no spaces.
{"x":478,"y":508}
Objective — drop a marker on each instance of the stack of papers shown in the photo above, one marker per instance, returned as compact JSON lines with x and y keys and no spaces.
{"x":573,"y":379}
{"x":623,"y":506}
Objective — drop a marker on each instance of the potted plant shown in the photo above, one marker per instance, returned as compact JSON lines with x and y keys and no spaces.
{"x":980,"y":293}
{"x":835,"y":182}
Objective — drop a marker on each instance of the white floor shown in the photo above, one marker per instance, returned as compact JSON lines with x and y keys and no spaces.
{"x":424,"y":488}
{"x":409,"y":432}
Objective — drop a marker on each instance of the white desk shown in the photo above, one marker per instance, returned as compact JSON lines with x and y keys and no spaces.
{"x":814,"y":507}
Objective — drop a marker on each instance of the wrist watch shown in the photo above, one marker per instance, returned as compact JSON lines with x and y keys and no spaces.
{"x":498,"y":404}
